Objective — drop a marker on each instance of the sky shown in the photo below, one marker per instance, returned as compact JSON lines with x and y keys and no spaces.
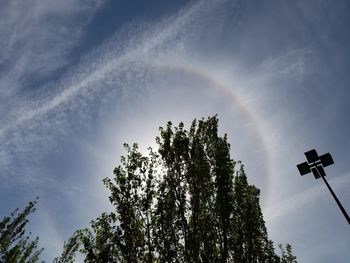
{"x":80,"y":78}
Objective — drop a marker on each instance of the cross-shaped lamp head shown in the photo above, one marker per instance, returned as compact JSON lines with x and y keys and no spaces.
{"x":315,"y":163}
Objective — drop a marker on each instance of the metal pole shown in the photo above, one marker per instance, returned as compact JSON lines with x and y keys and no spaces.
{"x":335,"y":197}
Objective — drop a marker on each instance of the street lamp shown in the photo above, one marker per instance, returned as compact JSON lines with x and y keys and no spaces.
{"x":315,"y":165}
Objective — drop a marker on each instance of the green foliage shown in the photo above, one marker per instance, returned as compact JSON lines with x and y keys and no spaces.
{"x":15,"y":245}
{"x":69,"y":249}
{"x":188,"y":202}
{"x":287,"y":256}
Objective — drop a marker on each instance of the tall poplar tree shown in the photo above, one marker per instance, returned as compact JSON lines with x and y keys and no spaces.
{"x":188,"y":202}
{"x":15,"y":245}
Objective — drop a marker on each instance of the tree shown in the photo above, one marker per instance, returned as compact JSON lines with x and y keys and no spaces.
{"x":250,"y":239}
{"x":188,"y":202}
{"x":287,"y":255}
{"x":15,"y":245}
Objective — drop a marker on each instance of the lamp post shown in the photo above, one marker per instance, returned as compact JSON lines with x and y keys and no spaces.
{"x":315,"y":165}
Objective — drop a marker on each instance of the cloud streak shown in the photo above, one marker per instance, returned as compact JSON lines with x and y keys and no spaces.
{"x":37,"y":36}
{"x":105,"y":72}
{"x":302,"y":199}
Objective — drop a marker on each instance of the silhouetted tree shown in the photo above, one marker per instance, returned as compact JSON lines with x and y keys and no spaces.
{"x":250,"y":239}
{"x":15,"y":245}
{"x":287,"y":255}
{"x":189,"y":202}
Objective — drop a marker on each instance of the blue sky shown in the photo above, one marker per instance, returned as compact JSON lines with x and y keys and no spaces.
{"x":80,"y":78}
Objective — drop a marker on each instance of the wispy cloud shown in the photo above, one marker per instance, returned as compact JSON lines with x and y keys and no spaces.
{"x":36,"y":36}
{"x":302,"y":199}
{"x":290,"y":62}
{"x":111,"y":70}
